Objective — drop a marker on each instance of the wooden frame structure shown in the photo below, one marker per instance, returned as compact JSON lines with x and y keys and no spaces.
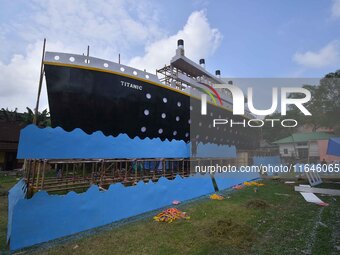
{"x":63,"y":175}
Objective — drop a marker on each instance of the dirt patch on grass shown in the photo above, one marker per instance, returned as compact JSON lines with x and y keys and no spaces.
{"x":257,"y":204}
{"x":231,"y":232}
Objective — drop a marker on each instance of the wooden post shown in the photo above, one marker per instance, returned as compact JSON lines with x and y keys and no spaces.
{"x":126,"y":169}
{"x":43,"y":175}
{"x":74,"y":169}
{"x":35,"y":118}
{"x":38,"y":174}
{"x":164,"y":166}
{"x":66,"y":173}
{"x":83,"y":171}
{"x":28,"y":172}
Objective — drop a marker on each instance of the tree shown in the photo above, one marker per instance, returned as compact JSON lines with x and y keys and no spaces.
{"x":43,"y":119}
{"x":324,"y":107}
{"x":9,"y":115}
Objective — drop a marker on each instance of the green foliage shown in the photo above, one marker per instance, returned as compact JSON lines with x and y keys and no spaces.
{"x":324,"y":107}
{"x":43,"y":119}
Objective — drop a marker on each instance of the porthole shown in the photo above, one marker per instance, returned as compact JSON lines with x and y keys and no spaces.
{"x":189,"y":121}
{"x":174,"y":133}
{"x":72,"y":59}
{"x":148,"y":96}
{"x":163,"y":115}
{"x":106,"y":65}
{"x":56,"y":58}
{"x":160,"y":131}
{"x":147,"y":76}
{"x":122,"y":69}
{"x":191,"y":108}
{"x":177,"y":118}
{"x":165,"y":100}
{"x":179,"y":104}
{"x":186,"y":134}
{"x":143,"y":129}
{"x":134,"y":72}
{"x":200,"y":124}
{"x":146,"y":112}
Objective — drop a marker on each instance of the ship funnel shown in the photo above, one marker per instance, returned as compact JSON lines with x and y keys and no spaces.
{"x":180,"y":47}
{"x":180,"y":43}
{"x":230,"y":82}
{"x":218,"y":73}
{"x":202,"y":62}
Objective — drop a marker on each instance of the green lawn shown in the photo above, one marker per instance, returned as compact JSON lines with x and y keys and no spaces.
{"x":275,"y":220}
{"x":246,"y":223}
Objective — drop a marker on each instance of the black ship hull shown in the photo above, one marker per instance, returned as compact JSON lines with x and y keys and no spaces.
{"x":114,"y":103}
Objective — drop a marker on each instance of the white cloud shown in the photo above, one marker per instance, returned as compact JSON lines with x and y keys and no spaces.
{"x":200,"y":41}
{"x":336,"y":9}
{"x":109,"y":27}
{"x":328,"y":56}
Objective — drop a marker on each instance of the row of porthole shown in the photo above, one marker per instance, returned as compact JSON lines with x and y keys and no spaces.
{"x":165,"y":100}
{"x":179,"y":104}
{"x":163,"y":115}
{"x":106,"y":65}
{"x":160,"y":131}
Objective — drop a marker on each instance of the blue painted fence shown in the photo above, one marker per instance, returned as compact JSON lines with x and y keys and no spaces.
{"x":46,"y":217}
{"x":56,"y":143}
{"x":16,"y":193}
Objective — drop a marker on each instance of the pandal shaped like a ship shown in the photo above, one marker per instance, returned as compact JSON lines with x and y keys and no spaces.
{"x":93,"y":94}
{"x":99,"y":95}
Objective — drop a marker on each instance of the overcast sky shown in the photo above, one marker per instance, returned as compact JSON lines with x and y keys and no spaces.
{"x":242,"y":38}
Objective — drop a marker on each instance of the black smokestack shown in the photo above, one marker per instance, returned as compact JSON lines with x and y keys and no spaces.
{"x":202,"y":62}
{"x":180,"y":43}
{"x":218,"y":73}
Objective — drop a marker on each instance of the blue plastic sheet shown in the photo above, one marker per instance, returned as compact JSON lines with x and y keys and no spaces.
{"x":334,"y":146}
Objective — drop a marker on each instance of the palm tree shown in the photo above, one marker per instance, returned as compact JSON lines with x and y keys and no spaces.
{"x":43,"y":118}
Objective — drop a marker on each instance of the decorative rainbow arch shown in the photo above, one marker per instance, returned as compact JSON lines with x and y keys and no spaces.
{"x":209,"y":93}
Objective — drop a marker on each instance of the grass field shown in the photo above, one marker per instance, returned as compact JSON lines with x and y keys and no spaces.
{"x":274,"y":220}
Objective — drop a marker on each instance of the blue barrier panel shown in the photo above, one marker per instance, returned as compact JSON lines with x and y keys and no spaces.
{"x":16,"y":193}
{"x":267,"y":160}
{"x":46,"y":217}
{"x":215,"y":151}
{"x":227,"y":180}
{"x":56,"y":143}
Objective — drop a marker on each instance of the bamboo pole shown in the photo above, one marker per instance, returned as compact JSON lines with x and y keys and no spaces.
{"x":33,"y":171}
{"x":38,"y":174}
{"x":43,"y":175}
{"x":35,"y":117}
